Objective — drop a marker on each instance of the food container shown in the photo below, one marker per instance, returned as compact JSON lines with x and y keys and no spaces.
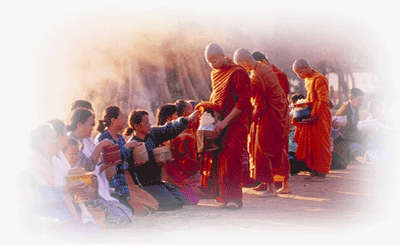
{"x":207,"y":137}
{"x":162,"y":154}
{"x":140,"y":154}
{"x":301,"y":113}
{"x":112,"y":154}
{"x":79,"y":174}
{"x":207,"y":140}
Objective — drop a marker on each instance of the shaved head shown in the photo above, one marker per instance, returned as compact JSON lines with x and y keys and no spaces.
{"x":213,"y":49}
{"x":302,"y":68}
{"x":244,"y":58}
{"x":214,"y":56}
{"x":259,"y":56}
{"x":300,"y":64}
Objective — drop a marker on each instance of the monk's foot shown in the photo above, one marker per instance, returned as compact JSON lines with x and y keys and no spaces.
{"x":231,"y":204}
{"x":312,"y":175}
{"x":284,"y":190}
{"x":261,"y":187}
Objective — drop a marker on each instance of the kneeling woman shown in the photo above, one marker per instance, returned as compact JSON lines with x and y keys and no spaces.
{"x":149,"y":175}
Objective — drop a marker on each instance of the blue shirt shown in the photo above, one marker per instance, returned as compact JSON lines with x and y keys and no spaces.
{"x":150,"y":173}
{"x":118,"y":182}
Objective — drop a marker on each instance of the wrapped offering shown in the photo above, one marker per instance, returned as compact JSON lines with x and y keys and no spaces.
{"x":79,"y":174}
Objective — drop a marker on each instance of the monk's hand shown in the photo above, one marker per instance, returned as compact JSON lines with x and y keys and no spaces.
{"x":193,"y":116}
{"x":220,"y":126}
{"x":311,"y":120}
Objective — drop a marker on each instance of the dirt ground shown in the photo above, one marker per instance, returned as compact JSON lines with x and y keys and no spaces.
{"x":349,"y":205}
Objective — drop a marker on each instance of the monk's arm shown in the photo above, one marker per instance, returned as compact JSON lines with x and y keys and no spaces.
{"x":322,"y":91}
{"x":258,"y":101}
{"x":241,"y":86}
{"x":221,"y":125}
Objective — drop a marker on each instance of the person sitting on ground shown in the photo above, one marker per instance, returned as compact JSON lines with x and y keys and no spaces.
{"x":183,"y":151}
{"x":351,"y":143}
{"x":80,"y":126}
{"x":112,"y":122}
{"x":149,"y":175}
{"x":71,"y":152}
{"x":49,"y":191}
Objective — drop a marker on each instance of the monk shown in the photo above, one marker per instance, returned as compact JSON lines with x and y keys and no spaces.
{"x":312,"y":134}
{"x":269,"y":130}
{"x":282,"y":77}
{"x":230,"y":98}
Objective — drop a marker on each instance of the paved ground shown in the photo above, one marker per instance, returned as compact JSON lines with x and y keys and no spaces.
{"x":349,"y":205}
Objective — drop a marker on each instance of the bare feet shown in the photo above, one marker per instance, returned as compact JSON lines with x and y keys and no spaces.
{"x":261,"y":187}
{"x":265,"y":190}
{"x":285,"y":188}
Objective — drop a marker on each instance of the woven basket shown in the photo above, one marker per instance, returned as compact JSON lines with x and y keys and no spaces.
{"x":140,"y":154}
{"x":162,"y":154}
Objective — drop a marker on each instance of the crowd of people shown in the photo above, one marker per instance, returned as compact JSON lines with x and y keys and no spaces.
{"x":261,"y":141}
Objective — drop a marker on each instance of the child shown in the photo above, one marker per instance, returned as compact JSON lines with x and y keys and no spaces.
{"x":71,"y":152}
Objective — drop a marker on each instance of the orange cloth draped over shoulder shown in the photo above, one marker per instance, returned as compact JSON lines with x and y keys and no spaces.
{"x":283,"y":80}
{"x":313,"y":140}
{"x":269,"y":130}
{"x":230,"y":89}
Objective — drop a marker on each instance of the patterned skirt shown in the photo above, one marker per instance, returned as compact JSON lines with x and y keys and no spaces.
{"x":117,"y":214}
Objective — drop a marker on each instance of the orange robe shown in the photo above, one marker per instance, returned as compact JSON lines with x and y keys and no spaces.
{"x":283,"y":80}
{"x":184,"y":164}
{"x":269,"y":130}
{"x":313,"y":140}
{"x":230,"y":89}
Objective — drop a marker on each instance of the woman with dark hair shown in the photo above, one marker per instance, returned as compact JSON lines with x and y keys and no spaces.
{"x":112,"y":122}
{"x":184,"y":163}
{"x":149,"y":175}
{"x":166,"y":113}
{"x":81,"y":124}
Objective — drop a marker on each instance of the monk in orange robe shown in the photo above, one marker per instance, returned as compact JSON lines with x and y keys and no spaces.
{"x":282,"y":77}
{"x":312,"y":134}
{"x":230,"y":97}
{"x":269,"y":130}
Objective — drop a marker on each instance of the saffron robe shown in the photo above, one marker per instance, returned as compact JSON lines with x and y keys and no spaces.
{"x":283,"y":80}
{"x":313,"y":140}
{"x":183,"y":166}
{"x":230,"y":89}
{"x":269,"y":130}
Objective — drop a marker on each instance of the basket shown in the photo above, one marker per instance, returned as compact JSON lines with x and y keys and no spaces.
{"x":112,"y":154}
{"x":162,"y":154}
{"x":79,"y":175}
{"x":207,"y":140}
{"x":140,"y":154}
